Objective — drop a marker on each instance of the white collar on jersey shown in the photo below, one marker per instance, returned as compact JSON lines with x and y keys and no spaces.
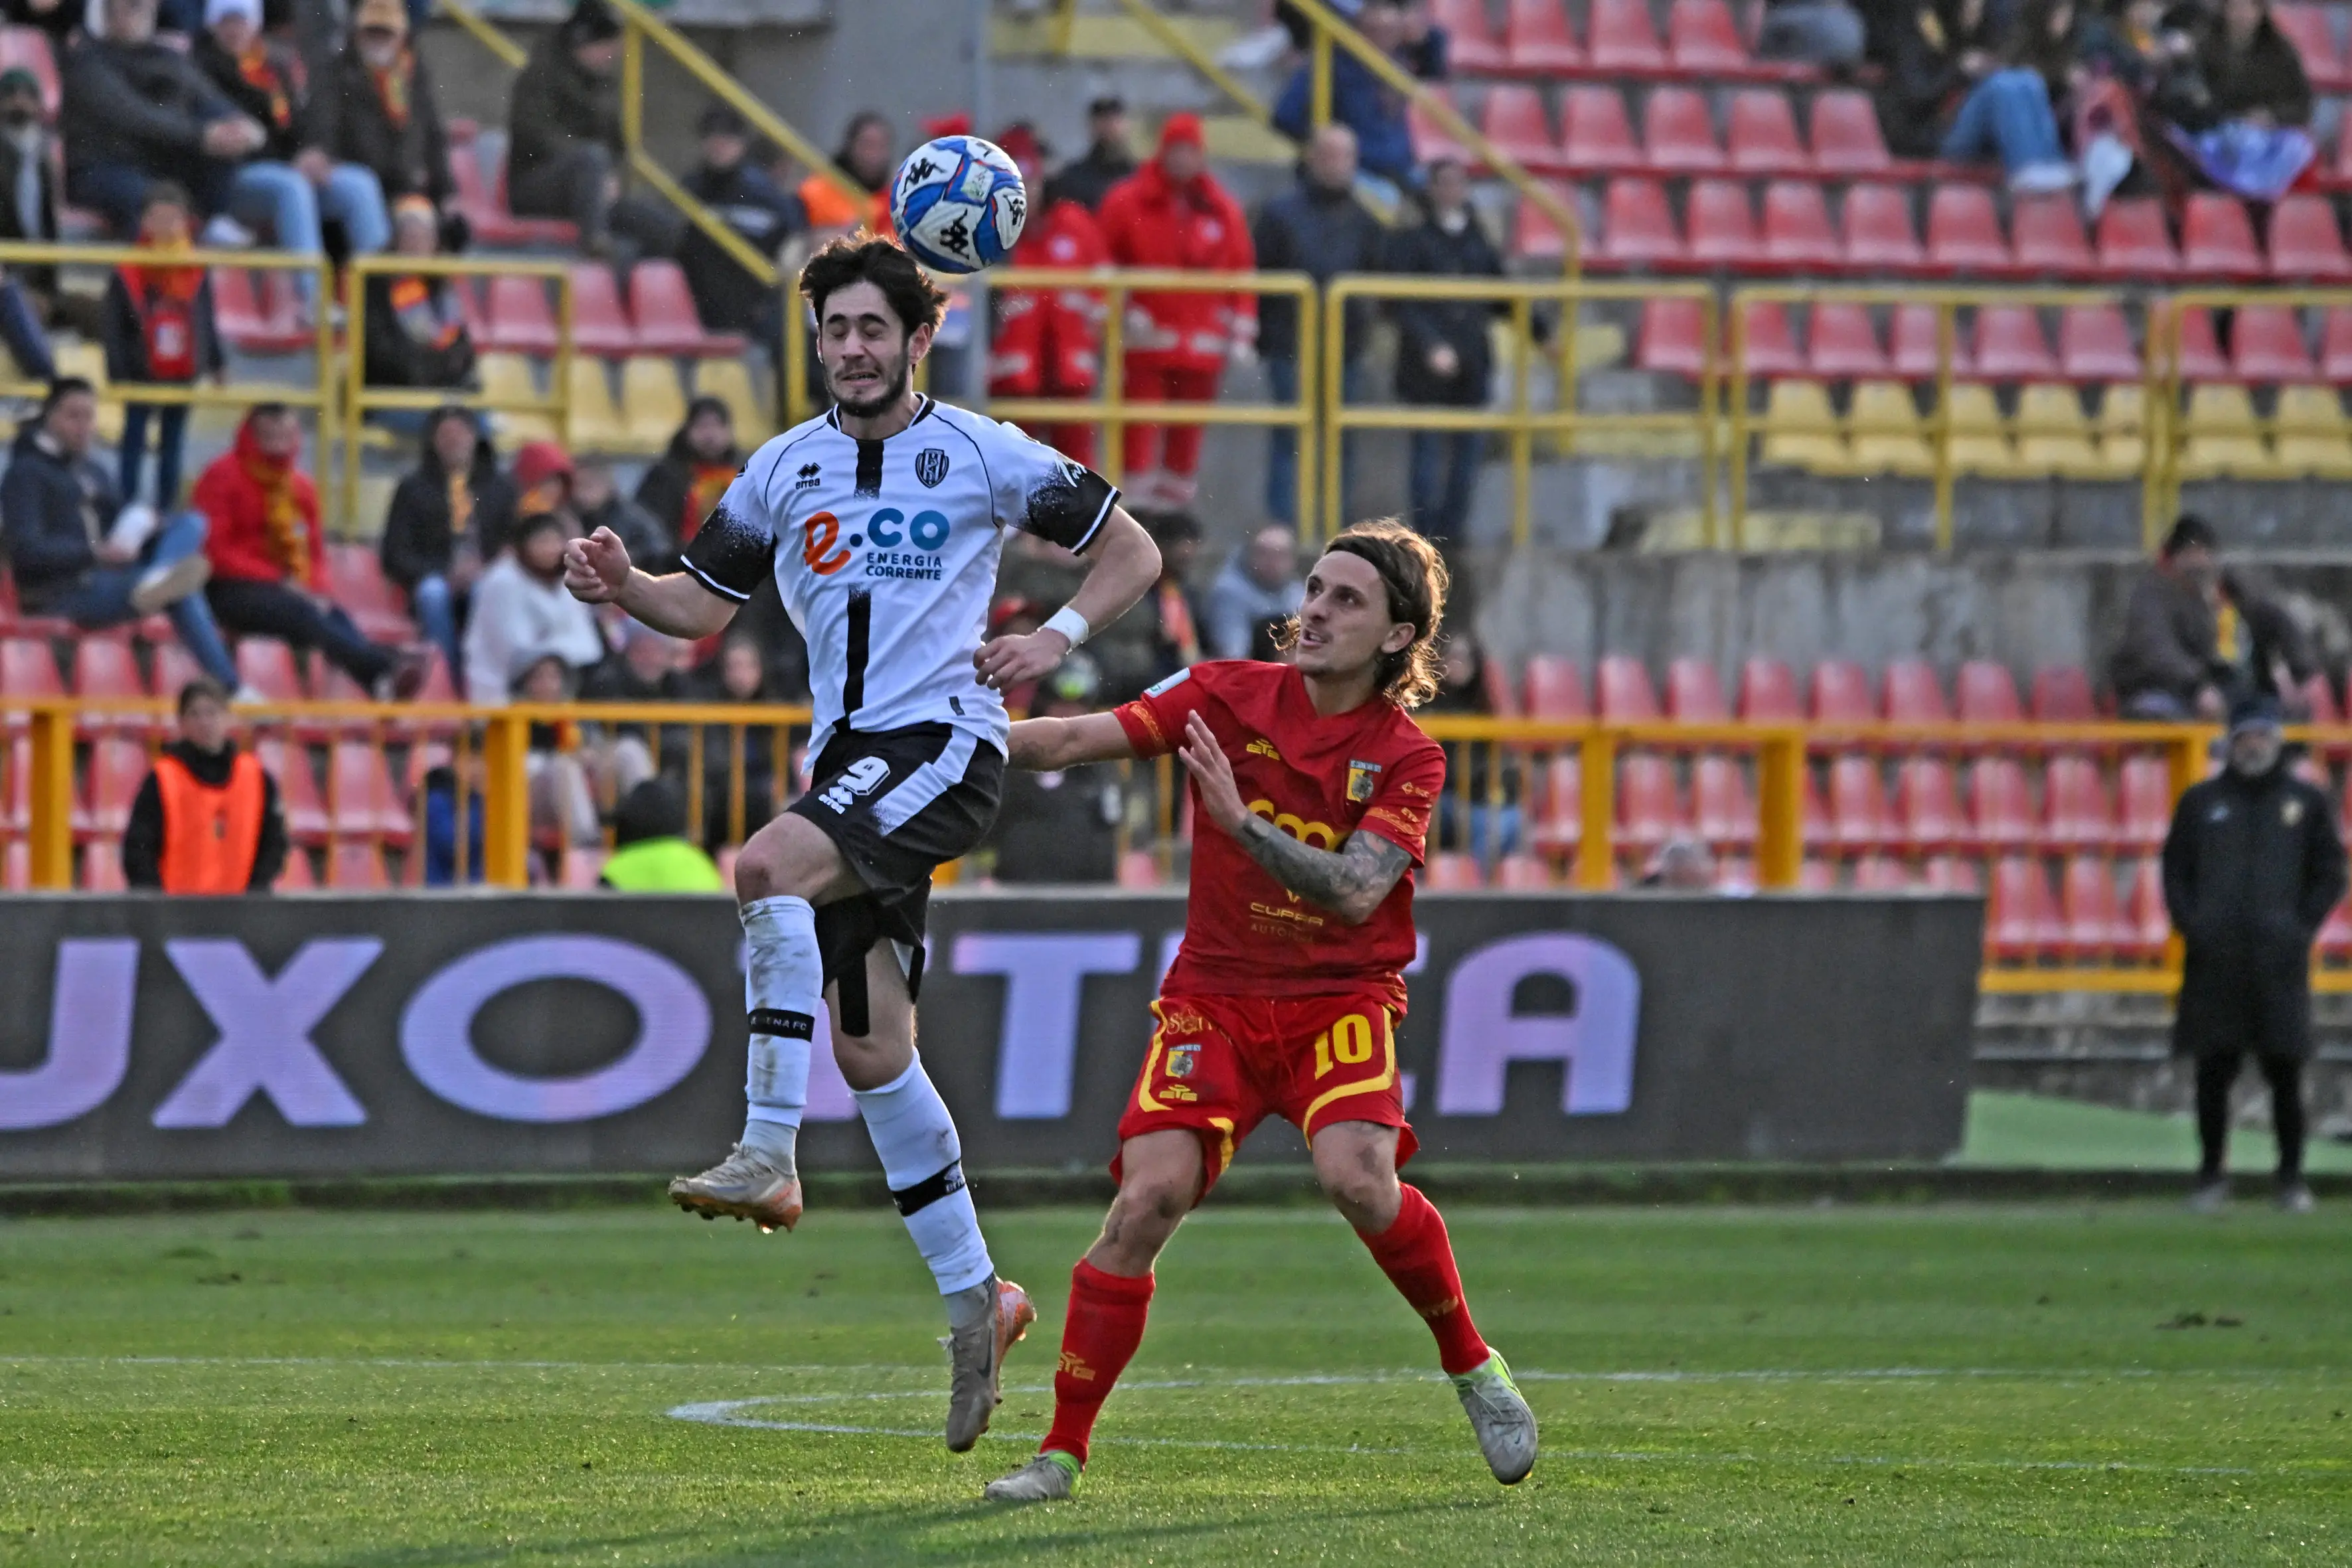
{"x":924,"y":405}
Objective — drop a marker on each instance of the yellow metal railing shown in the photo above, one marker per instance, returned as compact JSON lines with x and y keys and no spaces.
{"x":1520,"y":420}
{"x":486,"y":33}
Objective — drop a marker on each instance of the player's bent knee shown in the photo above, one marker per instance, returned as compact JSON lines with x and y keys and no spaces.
{"x":789,"y":857}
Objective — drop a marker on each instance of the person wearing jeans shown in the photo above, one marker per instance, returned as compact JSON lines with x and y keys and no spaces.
{"x":2008,"y":116}
{"x":58,"y":511}
{"x":1443,"y":355}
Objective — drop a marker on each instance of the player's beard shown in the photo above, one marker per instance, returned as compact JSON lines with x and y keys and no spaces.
{"x":894,"y":388}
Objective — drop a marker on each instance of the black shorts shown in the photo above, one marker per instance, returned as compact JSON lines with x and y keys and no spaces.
{"x":897,"y":805}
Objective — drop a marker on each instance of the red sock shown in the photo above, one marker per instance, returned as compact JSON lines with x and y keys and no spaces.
{"x":1418,"y":1258}
{"x":1098,"y":1339}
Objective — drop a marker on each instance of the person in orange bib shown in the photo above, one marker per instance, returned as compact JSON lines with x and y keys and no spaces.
{"x":209,"y":819}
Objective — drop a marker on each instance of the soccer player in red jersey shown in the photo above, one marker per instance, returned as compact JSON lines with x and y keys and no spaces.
{"x":1312,"y":790}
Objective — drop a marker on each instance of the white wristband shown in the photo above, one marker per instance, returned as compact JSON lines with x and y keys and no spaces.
{"x":1070,"y":623}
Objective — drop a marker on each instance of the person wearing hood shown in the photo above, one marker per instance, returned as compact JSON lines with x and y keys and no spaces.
{"x":1319,"y":228}
{"x":742,"y":197}
{"x":2251,"y":866}
{"x":651,"y":853}
{"x":1172,"y":214}
{"x":416,"y":334}
{"x":563,"y":141}
{"x":441,"y":511}
{"x":702,"y":461}
{"x":541,"y":472}
{"x":138,"y":110}
{"x":58,"y":516}
{"x":269,"y":556}
{"x":1048,"y":342}
{"x":867,"y":154}
{"x":520,"y":613}
{"x":207,"y":820}
{"x":1442,"y":354}
{"x":373,"y":105}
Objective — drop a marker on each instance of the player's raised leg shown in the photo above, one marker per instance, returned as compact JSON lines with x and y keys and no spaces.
{"x":1356,"y":1163}
{"x":783,"y":873}
{"x":922,"y":1159}
{"x":1110,"y":1296}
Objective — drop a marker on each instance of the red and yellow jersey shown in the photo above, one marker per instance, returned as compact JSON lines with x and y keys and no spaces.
{"x":1321,"y":780}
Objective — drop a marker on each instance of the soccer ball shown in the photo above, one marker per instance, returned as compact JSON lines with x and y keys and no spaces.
{"x":959,"y":203}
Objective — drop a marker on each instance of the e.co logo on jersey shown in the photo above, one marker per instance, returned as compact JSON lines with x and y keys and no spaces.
{"x":889,"y":527}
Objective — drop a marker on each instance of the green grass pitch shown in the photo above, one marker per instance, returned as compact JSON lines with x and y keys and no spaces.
{"x":2054,"y":1383}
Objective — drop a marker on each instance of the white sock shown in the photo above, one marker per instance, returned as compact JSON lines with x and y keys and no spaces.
{"x":922,"y":1159}
{"x":783,"y":990}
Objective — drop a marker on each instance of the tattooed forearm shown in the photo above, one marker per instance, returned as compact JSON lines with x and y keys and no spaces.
{"x":1350,"y":883}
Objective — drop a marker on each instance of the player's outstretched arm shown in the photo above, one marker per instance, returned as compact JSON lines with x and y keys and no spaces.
{"x":1126,"y":562}
{"x":1349,"y":881}
{"x":598,"y":571}
{"x":1044,"y":745}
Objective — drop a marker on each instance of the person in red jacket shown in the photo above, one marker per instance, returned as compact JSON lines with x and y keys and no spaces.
{"x":270,"y":557}
{"x":1048,"y":342}
{"x":1171,"y":213}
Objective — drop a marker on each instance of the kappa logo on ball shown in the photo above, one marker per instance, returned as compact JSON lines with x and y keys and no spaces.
{"x":931,"y":466}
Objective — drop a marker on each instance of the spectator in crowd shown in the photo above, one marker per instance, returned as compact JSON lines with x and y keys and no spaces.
{"x":1109,"y":159}
{"x":1259,"y":585}
{"x":563,"y":141}
{"x":1172,"y":213}
{"x":269,"y":556}
{"x":416,"y":334}
{"x":2168,"y":665}
{"x":61,"y":519}
{"x":763,"y":217}
{"x":1048,"y":342}
{"x":2251,"y":866}
{"x":562,"y":801}
{"x":1423,"y":48}
{"x":1442,"y":351}
{"x":286,"y":187}
{"x":541,"y":475}
{"x":29,"y":295}
{"x":374,"y":106}
{"x":1160,"y":635}
{"x":160,"y":332}
{"x":651,"y":853}
{"x":597,"y":502}
{"x":521,"y":614}
{"x":138,"y":110}
{"x":1948,"y":94}
{"x":650,"y":669}
{"x":1061,"y":826}
{"x":1815,"y":32}
{"x":738,"y":674}
{"x":441,"y":512}
{"x":702,"y":460}
{"x":1361,"y":101}
{"x":868,"y":155}
{"x":443,"y":786}
{"x":2244,"y":111}
{"x":1319,"y":228}
{"x":207,"y":819}
{"x":2275,"y":652}
{"x":1479,"y":808}
{"x":2010,"y":112}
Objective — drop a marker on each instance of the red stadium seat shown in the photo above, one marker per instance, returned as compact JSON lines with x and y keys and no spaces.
{"x":2146,"y":923}
{"x":1432,"y":143}
{"x":1927,"y":803}
{"x":27,"y":668}
{"x":266,"y":665}
{"x":1879,"y":235}
{"x":2201,"y":348}
{"x":1988,"y":695}
{"x":16,"y":803}
{"x":1951,"y":874}
{"x":296,"y":875}
{"x":1915,"y":693}
{"x":1723,"y":226}
{"x":1596,"y":136}
{"x":2001,"y":805}
{"x":1471,"y":45}
{"x":1512,"y":119}
{"x":2076,"y":811}
{"x":118,"y":766}
{"x":1626,"y":695}
{"x":1845,"y":138}
{"x":1534,"y":235}
{"x":1768,"y":692}
{"x":1762,"y":135}
{"x":355,"y":579}
{"x":599,"y":324}
{"x":2305,"y":244}
{"x":1451,"y":872}
{"x":1726,"y":814}
{"x":1694,"y":693}
{"x":1841,"y":693}
{"x":1138,"y":869}
{"x":1964,"y":231}
{"x":1859,"y":819}
{"x":354,"y":865}
{"x":2266,"y":344}
{"x":2092,"y":917}
{"x":1702,"y":39}
{"x":1637,"y":227}
{"x":1813,"y":826}
{"x":583,"y":867}
{"x":1649,"y":803}
{"x":2020,"y":917}
{"x":551,"y":231}
{"x":2336,"y":339}
{"x":520,"y":321}
{"x":1797,"y":232}
{"x":2009,"y":345}
{"x":1537,"y":39}
{"x":2312,"y":30}
{"x":1678,"y":133}
{"x":2132,"y":241}
{"x":1559,"y":806}
{"x":105,"y":666}
{"x":360,"y":793}
{"x":2061,"y":695}
{"x":1771,"y":348}
{"x":101,"y":866}
{"x":1620,"y":37}
{"x":1671,"y":338}
{"x":2217,"y":239}
{"x":1523,"y":874}
{"x":254,"y":319}
{"x":298,"y":789}
{"x":1816,"y":877}
{"x":2145,"y":785}
{"x":1556,"y":688}
{"x":1841,"y":344}
{"x":2047,"y":235}
{"x":1881,"y":874}
{"x":1914,"y":351}
{"x":2095,"y":344}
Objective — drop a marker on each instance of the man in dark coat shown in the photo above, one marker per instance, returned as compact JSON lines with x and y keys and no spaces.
{"x":748,"y":202}
{"x":137,"y":111}
{"x":1109,"y":159}
{"x":2168,"y":665}
{"x":448,"y":516}
{"x":1442,"y":353}
{"x":2251,"y":866}
{"x":375,"y":105}
{"x":564,"y":139}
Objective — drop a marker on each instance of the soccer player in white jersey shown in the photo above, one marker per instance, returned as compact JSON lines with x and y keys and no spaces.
{"x":881,"y":522}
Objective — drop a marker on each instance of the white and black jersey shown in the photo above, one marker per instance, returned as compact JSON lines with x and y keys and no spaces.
{"x":886,"y":552}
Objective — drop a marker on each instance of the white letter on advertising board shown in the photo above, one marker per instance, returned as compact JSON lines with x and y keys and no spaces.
{"x":1483,"y":1036}
{"x":89,"y":1038}
{"x":436,"y":1028}
{"x":1037,"y":1043}
{"x":265,"y":1044}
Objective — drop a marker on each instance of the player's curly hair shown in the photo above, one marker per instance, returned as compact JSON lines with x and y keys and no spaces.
{"x":1417,"y":580}
{"x":865,"y":257}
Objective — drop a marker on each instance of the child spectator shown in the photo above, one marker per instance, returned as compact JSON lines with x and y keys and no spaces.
{"x":160,"y":332}
{"x":443,"y":510}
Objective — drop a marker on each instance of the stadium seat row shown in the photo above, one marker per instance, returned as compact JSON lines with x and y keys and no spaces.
{"x":1678,"y":135}
{"x":1841,"y":692}
{"x":1620,"y":41}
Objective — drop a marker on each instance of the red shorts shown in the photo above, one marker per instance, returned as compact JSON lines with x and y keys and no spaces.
{"x":1221,"y":1065}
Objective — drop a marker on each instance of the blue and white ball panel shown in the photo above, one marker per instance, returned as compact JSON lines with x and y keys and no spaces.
{"x":959,"y":203}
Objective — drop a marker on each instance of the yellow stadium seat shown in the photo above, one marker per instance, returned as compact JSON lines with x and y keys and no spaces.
{"x":2312,"y":433}
{"x":1801,"y":428}
{"x":729,"y":382}
{"x":593,"y":422}
{"x":2310,"y":411}
{"x":2053,"y":436}
{"x":2121,"y":421}
{"x":88,"y":361}
{"x":1980,"y":444}
{"x":653,"y":405}
{"x":1884,"y":423}
{"x":2224,"y":437}
{"x":506,"y":378}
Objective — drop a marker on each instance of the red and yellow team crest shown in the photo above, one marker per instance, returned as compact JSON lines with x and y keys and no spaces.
{"x":1362,"y":779}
